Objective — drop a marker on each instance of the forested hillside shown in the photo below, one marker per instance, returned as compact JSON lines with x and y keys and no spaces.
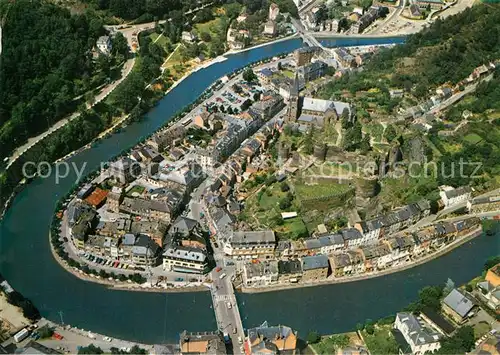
{"x":46,"y":62}
{"x":467,"y":132}
{"x":447,"y":51}
{"x":150,"y":10}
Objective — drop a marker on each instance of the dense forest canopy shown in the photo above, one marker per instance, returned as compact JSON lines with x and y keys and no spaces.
{"x":45,"y":63}
{"x":150,"y":10}
{"x":449,"y":49}
{"x":446,"y":51}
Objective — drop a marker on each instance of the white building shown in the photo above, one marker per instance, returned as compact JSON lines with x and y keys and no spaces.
{"x":331,"y":243}
{"x":270,"y":28}
{"x":420,"y":337}
{"x":184,"y":259}
{"x":370,"y":229}
{"x":261,"y":273}
{"x":352,"y":237}
{"x":250,"y":244}
{"x":274,"y":11}
{"x":104,"y":44}
{"x":188,"y":36}
{"x":207,"y":158}
{"x":451,"y":196}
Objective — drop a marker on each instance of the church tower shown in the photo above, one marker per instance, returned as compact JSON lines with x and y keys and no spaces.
{"x":293,"y":104}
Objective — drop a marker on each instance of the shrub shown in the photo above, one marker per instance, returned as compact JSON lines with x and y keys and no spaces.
{"x":313,"y":337}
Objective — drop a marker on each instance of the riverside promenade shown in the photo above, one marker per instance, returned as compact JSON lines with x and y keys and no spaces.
{"x":338,"y":280}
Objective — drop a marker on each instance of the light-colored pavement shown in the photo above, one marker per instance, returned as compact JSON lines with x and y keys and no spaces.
{"x":73,"y":338}
{"x":395,"y":14}
{"x":458,"y":96}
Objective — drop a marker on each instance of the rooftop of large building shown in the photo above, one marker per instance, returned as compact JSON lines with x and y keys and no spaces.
{"x":252,"y":237}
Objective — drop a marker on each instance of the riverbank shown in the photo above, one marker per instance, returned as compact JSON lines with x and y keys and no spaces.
{"x":148,"y":287}
{"x":118,"y":285}
{"x":73,"y":338}
{"x":29,"y":266}
{"x":338,"y":280}
{"x":236,"y":51}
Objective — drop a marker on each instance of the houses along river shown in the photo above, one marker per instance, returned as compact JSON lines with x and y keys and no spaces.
{"x":27,"y":263}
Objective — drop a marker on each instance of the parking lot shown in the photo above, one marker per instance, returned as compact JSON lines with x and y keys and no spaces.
{"x":234,"y":96}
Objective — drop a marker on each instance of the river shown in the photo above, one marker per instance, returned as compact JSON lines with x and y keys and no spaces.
{"x":27,"y":263}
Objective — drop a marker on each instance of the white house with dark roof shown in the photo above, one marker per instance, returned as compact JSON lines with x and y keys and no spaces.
{"x":420,"y":337}
{"x":260,"y":274}
{"x":331,"y":243}
{"x":188,"y":36}
{"x":184,"y":259}
{"x":104,"y":45}
{"x":352,"y":237}
{"x":250,"y":244}
{"x":451,"y":196}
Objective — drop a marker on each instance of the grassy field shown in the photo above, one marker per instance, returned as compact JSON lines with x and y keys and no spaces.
{"x":262,"y":208}
{"x":381,"y":341}
{"x":292,"y":228}
{"x":375,"y":130}
{"x":304,"y":191}
{"x":331,"y":169}
{"x":473,"y":138}
{"x":210,"y":27}
{"x":137,"y":189}
{"x":288,"y":74}
{"x":267,"y":202}
{"x":480,"y":329}
{"x":450,"y":147}
{"x":175,"y":65}
{"x":162,"y":41}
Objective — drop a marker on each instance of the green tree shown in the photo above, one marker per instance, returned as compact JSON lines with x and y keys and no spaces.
{"x":120,"y":45}
{"x":390,"y":133}
{"x":285,"y":203}
{"x":249,"y":75}
{"x":430,"y":296}
{"x":461,"y":342}
{"x":205,"y":37}
{"x":137,"y":350}
{"x":275,"y":218}
{"x":309,"y":141}
{"x":492,"y":261}
{"x":45,"y":332}
{"x":91,"y":349}
{"x":344,"y":117}
{"x":313,"y":337}
{"x":370,"y":328}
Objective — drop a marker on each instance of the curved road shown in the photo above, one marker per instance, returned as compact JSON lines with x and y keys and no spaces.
{"x":128,"y":33}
